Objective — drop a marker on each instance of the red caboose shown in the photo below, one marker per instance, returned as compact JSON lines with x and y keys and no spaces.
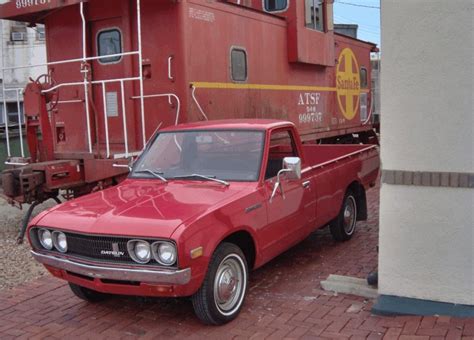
{"x":120,"y":69}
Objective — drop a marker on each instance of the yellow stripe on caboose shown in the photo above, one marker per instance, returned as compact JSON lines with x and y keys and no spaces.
{"x":239,"y":86}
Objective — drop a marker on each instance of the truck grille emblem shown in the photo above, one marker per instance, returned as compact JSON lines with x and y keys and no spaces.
{"x":115,"y":251}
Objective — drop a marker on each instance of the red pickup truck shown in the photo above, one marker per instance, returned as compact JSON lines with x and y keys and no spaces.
{"x":204,"y":204}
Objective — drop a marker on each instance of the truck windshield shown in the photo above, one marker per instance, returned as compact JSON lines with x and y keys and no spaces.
{"x":190,"y":155}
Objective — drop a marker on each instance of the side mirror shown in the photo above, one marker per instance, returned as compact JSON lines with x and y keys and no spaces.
{"x":292,"y":167}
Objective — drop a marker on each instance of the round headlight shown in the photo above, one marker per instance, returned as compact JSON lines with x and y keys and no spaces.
{"x":165,"y":253}
{"x":140,"y":251}
{"x":45,"y":238}
{"x":60,"y":241}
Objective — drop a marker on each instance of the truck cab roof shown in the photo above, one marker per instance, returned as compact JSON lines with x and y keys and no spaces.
{"x":231,"y":124}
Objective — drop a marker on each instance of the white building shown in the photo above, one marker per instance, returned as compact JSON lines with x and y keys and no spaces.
{"x":21,"y":45}
{"x":375,"y":61}
{"x":426,"y":260}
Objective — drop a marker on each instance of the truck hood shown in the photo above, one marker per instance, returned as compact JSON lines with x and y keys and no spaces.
{"x":140,"y":208}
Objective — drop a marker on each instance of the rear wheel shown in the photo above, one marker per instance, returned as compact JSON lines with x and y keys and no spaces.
{"x":220,"y":298}
{"x":87,"y":294}
{"x":343,"y":226}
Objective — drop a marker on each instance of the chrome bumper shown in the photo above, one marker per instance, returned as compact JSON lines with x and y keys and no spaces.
{"x":160,"y":276}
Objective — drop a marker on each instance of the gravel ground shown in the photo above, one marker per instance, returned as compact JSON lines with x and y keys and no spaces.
{"x":16,"y":264}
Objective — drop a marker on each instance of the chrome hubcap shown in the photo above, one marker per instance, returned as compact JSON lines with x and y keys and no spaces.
{"x":229,"y":283}
{"x":350,"y":215}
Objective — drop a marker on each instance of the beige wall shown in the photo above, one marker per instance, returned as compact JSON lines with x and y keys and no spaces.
{"x":427,"y":237}
{"x":30,"y":52}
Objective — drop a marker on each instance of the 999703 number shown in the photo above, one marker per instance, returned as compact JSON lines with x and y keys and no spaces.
{"x":30,"y":3}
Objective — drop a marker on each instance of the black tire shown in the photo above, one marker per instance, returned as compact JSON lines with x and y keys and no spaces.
{"x":87,"y":294}
{"x":217,"y":304}
{"x":343,"y":226}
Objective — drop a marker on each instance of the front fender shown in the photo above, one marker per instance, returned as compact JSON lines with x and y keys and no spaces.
{"x":209,"y":231}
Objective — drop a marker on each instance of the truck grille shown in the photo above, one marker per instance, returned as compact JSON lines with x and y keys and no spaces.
{"x":97,"y":248}
{"x":102,"y":248}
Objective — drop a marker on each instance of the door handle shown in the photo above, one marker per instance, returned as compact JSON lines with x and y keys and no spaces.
{"x":306,"y":184}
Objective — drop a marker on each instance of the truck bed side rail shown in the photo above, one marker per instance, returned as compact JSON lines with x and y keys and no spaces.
{"x":310,"y":155}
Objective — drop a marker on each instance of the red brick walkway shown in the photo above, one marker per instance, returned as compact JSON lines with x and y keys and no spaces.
{"x":285,"y":301}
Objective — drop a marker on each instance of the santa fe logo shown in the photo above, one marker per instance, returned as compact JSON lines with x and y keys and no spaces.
{"x":348,"y":84}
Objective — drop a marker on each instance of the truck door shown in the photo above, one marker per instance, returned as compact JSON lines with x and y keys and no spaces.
{"x":110,"y":36}
{"x":288,"y":214}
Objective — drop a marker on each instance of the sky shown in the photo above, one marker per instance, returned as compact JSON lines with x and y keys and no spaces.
{"x":365,"y":13}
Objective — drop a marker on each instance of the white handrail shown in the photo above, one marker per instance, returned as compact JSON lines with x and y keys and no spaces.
{"x":170,"y":76}
{"x":169,"y":95}
{"x":70,"y":61}
{"x":124,"y":117}
{"x":86,"y":86}
{"x":19,"y":122}
{"x":106,"y":120}
{"x":140,"y":70}
{"x":193,"y":94}
{"x":5,"y":115}
{"x":73,"y":101}
{"x":94,"y":82}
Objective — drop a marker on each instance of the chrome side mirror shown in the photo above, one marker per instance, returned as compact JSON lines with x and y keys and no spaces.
{"x":292,"y":168}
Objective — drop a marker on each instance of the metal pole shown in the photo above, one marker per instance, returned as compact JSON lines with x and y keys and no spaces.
{"x":169,"y":95}
{"x":5,"y":114}
{"x":106,"y":120}
{"x":124,"y":117}
{"x":20,"y":128}
{"x":94,"y":82}
{"x":140,"y":69}
{"x":86,"y":90}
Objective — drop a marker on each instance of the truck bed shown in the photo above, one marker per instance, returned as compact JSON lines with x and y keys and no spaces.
{"x":321,"y":155}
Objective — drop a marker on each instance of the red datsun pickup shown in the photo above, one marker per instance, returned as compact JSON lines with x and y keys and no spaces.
{"x":203,"y":205}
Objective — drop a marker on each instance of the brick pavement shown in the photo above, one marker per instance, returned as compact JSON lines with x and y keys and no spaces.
{"x":285,"y":301}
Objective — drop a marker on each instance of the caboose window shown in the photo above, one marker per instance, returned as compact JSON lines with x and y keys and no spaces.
{"x":275,"y":5}
{"x":109,"y":42}
{"x":314,"y":14}
{"x":363,"y":78}
{"x":238,"y":59}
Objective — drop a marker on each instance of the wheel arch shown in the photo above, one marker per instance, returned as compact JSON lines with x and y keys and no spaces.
{"x":359,"y":192}
{"x":243,"y":239}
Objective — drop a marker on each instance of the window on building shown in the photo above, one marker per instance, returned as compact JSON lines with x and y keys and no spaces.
{"x":40,"y":33}
{"x":109,"y":42}
{"x":18,"y":32}
{"x":314,"y":10}
{"x":12,"y":114}
{"x":276,"y":5}
{"x":238,"y":64}
{"x":363,"y":78}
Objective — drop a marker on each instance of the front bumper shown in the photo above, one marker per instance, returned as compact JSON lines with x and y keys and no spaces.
{"x":153,"y":276}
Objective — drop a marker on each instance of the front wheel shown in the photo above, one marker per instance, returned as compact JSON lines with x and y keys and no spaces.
{"x":220,"y":298}
{"x":343,"y":226}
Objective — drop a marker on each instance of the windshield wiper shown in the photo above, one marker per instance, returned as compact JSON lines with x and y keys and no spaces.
{"x":207,"y":178}
{"x":154,"y":173}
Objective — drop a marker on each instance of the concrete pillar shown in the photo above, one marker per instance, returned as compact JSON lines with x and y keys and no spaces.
{"x":426,"y":259}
